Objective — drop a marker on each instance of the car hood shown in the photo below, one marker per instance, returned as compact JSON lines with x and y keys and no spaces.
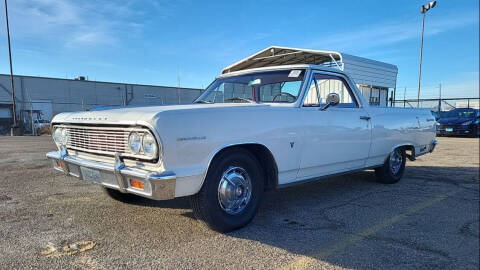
{"x":453,"y":121}
{"x":130,"y":115}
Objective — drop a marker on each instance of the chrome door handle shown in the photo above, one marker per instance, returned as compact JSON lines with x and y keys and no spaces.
{"x":365,"y":118}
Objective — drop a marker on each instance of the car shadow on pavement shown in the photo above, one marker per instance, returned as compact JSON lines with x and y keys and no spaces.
{"x":351,"y":221}
{"x":177,"y":203}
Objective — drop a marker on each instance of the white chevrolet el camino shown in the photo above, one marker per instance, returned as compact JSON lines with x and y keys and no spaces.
{"x":251,"y":130}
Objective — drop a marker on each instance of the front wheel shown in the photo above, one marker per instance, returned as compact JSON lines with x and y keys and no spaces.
{"x":231,"y":193}
{"x":393,"y":168}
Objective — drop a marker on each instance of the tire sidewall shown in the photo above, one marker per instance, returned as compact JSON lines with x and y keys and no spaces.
{"x":400,"y":172}
{"x":246,"y":161}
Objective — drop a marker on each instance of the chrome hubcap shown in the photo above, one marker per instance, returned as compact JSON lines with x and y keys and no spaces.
{"x":234,"y":190}
{"x":395,"y":161}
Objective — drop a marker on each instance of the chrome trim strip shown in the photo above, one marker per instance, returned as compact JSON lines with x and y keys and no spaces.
{"x":101,"y":128}
{"x":314,"y":179}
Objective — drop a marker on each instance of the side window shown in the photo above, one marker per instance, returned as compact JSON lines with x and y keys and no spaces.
{"x":322,"y":85}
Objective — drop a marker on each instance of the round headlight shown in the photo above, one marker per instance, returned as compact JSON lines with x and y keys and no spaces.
{"x":64,"y":136}
{"x":59,"y":135}
{"x":149,"y":145}
{"x":135,"y":142}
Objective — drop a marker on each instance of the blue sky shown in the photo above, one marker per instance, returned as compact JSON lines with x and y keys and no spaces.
{"x":155,"y":42}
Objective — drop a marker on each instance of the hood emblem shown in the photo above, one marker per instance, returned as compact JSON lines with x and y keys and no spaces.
{"x":90,"y":118}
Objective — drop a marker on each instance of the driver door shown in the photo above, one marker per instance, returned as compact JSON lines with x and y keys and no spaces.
{"x":336,"y":139}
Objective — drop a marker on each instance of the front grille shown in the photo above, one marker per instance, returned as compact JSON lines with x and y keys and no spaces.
{"x":101,"y":140}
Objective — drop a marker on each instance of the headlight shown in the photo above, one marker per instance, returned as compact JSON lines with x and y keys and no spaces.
{"x":135,"y":142}
{"x":60,"y":136}
{"x":143,"y":143}
{"x":467,"y":123}
{"x":149,"y":145}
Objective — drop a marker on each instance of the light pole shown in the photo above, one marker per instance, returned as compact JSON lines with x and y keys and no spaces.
{"x":424,"y":10}
{"x":14,"y":114}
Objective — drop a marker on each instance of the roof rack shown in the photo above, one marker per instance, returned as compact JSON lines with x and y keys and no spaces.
{"x":279,"y":56}
{"x":362,"y":70}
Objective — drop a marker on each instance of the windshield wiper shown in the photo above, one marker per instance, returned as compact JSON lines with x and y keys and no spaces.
{"x":239,"y":99}
{"x":204,"y":101}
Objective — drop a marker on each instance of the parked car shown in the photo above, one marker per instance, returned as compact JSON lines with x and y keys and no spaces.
{"x":41,"y":126}
{"x":250,"y":131}
{"x":435,"y":114}
{"x":459,"y":122}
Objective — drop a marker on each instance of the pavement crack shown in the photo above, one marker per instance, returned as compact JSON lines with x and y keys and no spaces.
{"x":5,"y":198}
{"x":410,"y":244}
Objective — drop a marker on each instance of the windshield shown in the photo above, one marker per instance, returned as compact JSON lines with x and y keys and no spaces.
{"x":459,"y":113}
{"x":281,"y":86}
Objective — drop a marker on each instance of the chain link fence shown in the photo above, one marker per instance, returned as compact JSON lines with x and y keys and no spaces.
{"x":435,"y":99}
{"x":438,"y":105}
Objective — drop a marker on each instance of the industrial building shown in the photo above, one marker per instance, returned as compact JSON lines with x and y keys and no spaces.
{"x":40,"y":98}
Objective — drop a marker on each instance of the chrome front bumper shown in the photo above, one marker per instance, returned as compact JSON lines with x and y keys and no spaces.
{"x":157,"y":186}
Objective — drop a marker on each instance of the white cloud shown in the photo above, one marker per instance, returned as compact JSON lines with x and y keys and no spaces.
{"x":76,"y":24}
{"x":385,"y":33}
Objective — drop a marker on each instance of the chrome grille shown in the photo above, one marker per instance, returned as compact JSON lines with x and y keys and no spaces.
{"x":100,"y":140}
{"x":110,"y":141}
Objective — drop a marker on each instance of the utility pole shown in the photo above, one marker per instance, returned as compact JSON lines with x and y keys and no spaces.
{"x":424,"y":10}
{"x":404,"y":96}
{"x":420,"y":63}
{"x":14,"y":111}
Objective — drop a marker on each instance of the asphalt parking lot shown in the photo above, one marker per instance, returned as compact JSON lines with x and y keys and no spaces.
{"x":429,"y":220}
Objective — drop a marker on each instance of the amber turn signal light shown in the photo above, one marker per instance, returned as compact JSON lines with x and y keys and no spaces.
{"x":136,"y":183}
{"x":59,"y":164}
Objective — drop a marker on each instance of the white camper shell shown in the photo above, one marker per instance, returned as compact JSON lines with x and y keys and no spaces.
{"x":373,"y":78}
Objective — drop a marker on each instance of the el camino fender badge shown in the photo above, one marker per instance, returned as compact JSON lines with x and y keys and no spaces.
{"x":181,"y":139}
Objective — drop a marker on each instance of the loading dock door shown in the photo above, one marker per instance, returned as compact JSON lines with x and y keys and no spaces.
{"x":45,"y":108}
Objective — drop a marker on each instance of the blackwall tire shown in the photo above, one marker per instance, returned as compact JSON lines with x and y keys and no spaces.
{"x":211,"y":204}
{"x":392,"y":171}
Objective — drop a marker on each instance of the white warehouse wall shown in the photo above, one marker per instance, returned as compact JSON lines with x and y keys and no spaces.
{"x":73,"y":95}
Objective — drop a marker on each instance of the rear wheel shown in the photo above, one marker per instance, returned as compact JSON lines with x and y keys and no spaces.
{"x":119,"y":196}
{"x":393,"y":168}
{"x":231,"y":193}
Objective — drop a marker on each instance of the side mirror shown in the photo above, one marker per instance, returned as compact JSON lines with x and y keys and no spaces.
{"x":332,"y":100}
